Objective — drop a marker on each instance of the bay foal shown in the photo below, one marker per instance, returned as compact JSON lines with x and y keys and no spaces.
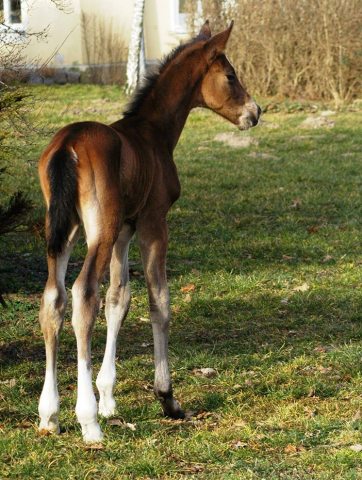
{"x":117,"y":180}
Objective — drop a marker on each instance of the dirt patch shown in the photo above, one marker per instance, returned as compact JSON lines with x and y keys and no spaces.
{"x":234,"y":140}
{"x":262,"y":155}
{"x":268,"y":125}
{"x":317,"y":122}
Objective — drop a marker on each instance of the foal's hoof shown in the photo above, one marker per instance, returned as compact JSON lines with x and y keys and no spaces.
{"x":171,"y":408}
{"x":49,"y":428}
{"x":92,"y":433}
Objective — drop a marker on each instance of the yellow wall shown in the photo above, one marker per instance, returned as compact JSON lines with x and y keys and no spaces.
{"x":65,"y":36}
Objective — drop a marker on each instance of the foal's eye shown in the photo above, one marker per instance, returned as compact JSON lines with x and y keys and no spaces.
{"x":231,"y":77}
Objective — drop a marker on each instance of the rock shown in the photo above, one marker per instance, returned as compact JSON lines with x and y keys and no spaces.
{"x":208,"y":372}
{"x":48,"y":81}
{"x":60,"y":77}
{"x":234,"y":140}
{"x":317,"y":122}
{"x":35,"y":79}
{"x":72,"y":77}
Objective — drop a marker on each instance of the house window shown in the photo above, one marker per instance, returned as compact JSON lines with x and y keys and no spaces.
{"x":2,"y":17}
{"x":15,"y":11}
{"x":179,"y":16}
{"x":11,"y":14}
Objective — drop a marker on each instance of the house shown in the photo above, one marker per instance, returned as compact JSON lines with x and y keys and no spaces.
{"x":164,"y":27}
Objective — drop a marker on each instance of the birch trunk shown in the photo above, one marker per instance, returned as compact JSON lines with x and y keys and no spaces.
{"x":135,"y":54}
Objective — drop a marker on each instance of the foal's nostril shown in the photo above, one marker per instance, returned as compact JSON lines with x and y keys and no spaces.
{"x":259,"y":111}
{"x":255,"y":121}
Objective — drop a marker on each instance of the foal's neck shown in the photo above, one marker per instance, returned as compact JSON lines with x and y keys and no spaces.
{"x":168,"y":105}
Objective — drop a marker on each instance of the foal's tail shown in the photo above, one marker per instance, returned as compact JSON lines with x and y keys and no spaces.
{"x":63,"y":180}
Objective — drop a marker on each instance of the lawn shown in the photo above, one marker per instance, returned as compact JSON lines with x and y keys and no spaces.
{"x":264,"y":273}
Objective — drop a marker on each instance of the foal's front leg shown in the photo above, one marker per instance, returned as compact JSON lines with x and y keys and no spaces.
{"x":153,"y":239}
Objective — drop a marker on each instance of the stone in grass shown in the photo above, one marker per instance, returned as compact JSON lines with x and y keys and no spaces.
{"x":234,"y":140}
{"x":208,"y":372}
{"x":317,"y":122}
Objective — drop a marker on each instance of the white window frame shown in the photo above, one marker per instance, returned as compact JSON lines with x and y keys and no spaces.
{"x":178,"y":19}
{"x":13,"y":30}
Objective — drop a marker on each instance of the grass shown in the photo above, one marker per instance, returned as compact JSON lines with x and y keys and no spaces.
{"x":271,"y":244}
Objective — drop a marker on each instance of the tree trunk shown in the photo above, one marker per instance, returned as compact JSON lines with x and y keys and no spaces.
{"x":134,"y":64}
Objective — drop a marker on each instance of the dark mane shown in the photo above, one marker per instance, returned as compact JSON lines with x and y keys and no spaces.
{"x":149,"y":81}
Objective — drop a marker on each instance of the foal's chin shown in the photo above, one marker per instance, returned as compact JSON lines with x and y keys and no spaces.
{"x":246,"y":123}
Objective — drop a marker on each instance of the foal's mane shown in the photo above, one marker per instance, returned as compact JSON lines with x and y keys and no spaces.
{"x":149,"y":81}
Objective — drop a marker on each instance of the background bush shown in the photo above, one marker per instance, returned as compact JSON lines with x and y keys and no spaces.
{"x":291,"y":48}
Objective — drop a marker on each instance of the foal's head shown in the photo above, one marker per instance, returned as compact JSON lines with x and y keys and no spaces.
{"x":220,"y":89}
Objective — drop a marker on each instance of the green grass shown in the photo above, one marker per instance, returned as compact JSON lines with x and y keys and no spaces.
{"x":247,"y":232}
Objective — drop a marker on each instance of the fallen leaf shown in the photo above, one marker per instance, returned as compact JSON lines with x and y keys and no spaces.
{"x":203,"y":415}
{"x":297,"y":204}
{"x":357,"y":416}
{"x":146,"y":345}
{"x":313,"y":229}
{"x":287,"y":257}
{"x":187,"y":298}
{"x":301,"y":288}
{"x":284,"y":300}
{"x":145,"y":320}
{"x":290,"y":449}
{"x":327,"y":258}
{"x":115,"y":421}
{"x":12,"y":383}
{"x":176,"y":309}
{"x":190,"y":287}
{"x":294,"y":448}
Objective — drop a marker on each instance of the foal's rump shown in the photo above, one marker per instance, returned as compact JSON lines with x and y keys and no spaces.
{"x":79,"y":174}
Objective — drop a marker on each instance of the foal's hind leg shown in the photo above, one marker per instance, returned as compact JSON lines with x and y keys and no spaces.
{"x":85,"y":309}
{"x":117,"y":306}
{"x":52,"y":310}
{"x":153,"y":238}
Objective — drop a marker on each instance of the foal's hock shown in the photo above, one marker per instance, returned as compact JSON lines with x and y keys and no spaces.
{"x":117,"y":179}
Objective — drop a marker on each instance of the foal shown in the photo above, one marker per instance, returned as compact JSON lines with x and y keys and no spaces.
{"x":116,"y":180}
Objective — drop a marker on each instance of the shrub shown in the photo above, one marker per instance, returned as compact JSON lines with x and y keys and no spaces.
{"x":295,"y":48}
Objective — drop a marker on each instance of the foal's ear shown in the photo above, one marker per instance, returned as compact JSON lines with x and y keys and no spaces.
{"x":205,"y":30}
{"x":217,"y":44}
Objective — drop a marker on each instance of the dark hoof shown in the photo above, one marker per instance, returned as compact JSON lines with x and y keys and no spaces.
{"x":170,"y":407}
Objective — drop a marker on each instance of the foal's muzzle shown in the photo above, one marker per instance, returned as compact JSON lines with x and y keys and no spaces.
{"x":250,"y":117}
